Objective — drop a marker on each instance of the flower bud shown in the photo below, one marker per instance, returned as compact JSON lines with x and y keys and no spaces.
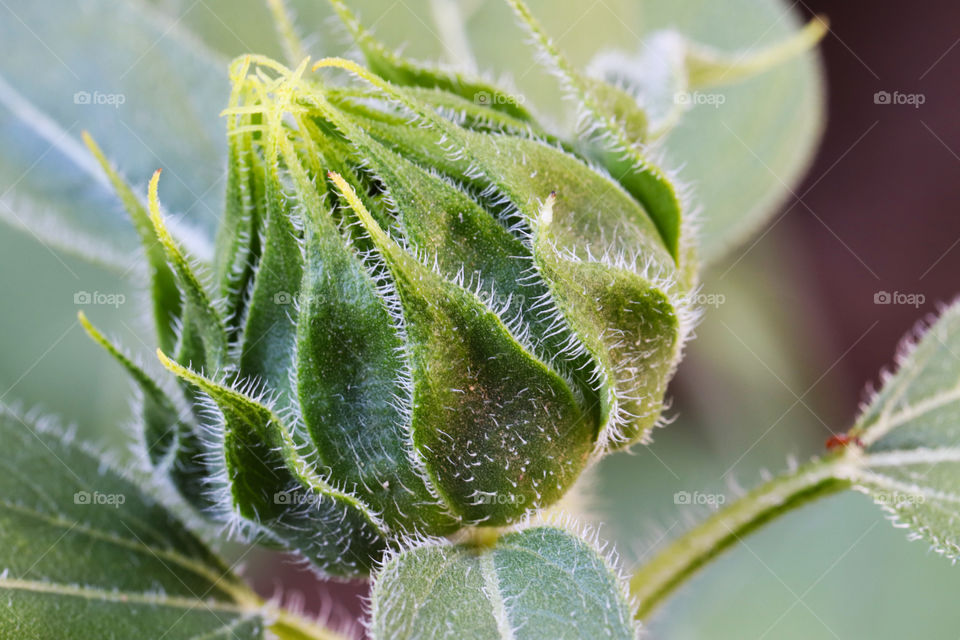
{"x":427,"y":312}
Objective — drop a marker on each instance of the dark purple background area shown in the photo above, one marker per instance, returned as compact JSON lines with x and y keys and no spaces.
{"x":885,"y":184}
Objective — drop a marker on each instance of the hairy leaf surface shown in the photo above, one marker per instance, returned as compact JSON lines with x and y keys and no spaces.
{"x":85,"y":554}
{"x":536,"y":584}
{"x":910,"y":432}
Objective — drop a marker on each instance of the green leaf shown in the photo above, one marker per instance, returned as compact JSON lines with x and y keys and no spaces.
{"x":165,"y":296}
{"x":660,"y":78}
{"x":743,"y":156}
{"x":85,"y":554}
{"x":148,"y":92}
{"x":909,"y":461}
{"x":538,"y":583}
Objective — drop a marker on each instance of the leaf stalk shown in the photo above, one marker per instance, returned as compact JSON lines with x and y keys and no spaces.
{"x":680,"y":560}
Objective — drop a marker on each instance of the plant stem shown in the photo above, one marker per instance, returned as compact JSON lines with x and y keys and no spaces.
{"x":290,"y":626}
{"x":676,"y":563}
{"x":286,"y":624}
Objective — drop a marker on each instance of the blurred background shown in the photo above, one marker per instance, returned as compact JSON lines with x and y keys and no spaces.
{"x":800,"y":317}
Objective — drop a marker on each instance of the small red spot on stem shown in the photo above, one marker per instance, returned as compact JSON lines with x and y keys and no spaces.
{"x":842,"y":440}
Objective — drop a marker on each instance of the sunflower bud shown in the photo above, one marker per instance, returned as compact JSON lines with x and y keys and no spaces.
{"x":427,"y":312}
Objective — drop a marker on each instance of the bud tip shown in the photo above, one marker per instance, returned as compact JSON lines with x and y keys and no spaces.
{"x":546,"y":212}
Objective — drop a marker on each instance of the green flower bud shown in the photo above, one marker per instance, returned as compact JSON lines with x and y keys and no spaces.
{"x":427,"y":312}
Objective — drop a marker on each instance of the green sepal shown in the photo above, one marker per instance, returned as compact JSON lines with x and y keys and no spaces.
{"x":170,"y":441}
{"x":352,"y":378}
{"x":269,"y":334}
{"x":164,"y":293}
{"x":239,"y":241}
{"x":276,"y":490}
{"x":621,"y":108}
{"x":465,"y":242}
{"x":465,"y":113}
{"x":611,"y":126}
{"x":161,"y":421}
{"x":629,"y":323}
{"x":525,"y":171}
{"x":501,"y":433}
{"x":203,"y":339}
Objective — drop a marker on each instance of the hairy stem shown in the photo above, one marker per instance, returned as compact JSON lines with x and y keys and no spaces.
{"x":289,"y":626}
{"x":678,"y":561}
{"x":286,"y":625}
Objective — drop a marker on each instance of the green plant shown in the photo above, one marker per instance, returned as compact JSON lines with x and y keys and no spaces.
{"x":425,"y":314}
